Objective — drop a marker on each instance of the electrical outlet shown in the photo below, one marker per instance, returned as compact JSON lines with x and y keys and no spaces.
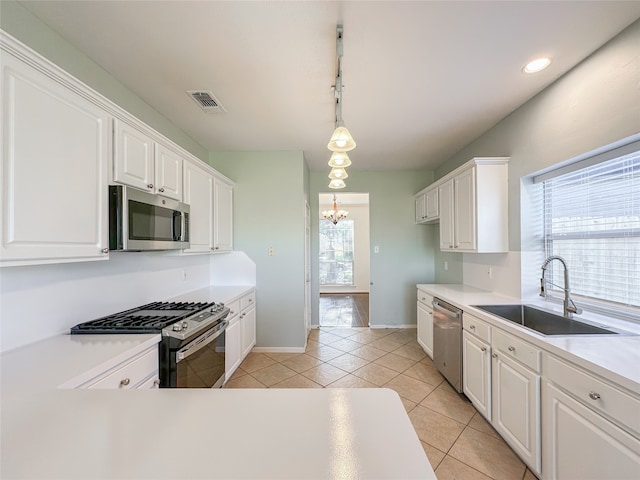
{"x":446,"y":265}
{"x":376,"y":249}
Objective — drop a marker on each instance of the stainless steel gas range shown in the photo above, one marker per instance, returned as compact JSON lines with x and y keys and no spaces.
{"x":191,"y":352}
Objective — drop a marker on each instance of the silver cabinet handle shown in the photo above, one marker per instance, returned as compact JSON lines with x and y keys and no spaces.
{"x":150,"y":185}
{"x":494,"y":355}
{"x":512,"y":349}
{"x":161,"y":190}
{"x":594,"y":396}
{"x":105,"y":250}
{"x":125,"y":382}
{"x":250,"y":300}
{"x":472,"y":327}
{"x":156,"y":382}
{"x":483,"y":349}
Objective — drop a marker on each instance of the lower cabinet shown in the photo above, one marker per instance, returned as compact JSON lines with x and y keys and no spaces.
{"x":476,"y":373}
{"x":240,"y":336}
{"x":425,"y":322}
{"x":140,"y":371}
{"x":590,"y":427}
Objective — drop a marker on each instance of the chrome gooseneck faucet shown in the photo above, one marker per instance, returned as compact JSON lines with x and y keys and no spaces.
{"x":569,"y":307}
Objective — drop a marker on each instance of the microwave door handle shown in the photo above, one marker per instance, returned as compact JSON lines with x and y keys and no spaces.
{"x":198,"y":344}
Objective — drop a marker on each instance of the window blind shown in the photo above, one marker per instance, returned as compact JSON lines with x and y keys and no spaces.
{"x":592,"y":219}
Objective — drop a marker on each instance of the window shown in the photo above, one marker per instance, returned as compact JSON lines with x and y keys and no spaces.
{"x":592,"y":220}
{"x":336,"y":253}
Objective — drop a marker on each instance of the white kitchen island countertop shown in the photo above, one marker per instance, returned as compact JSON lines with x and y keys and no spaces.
{"x":213,"y":434}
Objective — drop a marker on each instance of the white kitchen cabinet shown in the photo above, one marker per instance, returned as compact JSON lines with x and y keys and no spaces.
{"x":198,"y":194}
{"x":233,"y":341}
{"x":604,"y":420}
{"x":427,"y":205}
{"x":140,"y":371}
{"x":425,"y":322}
{"x":476,"y":364}
{"x":55,"y":151}
{"x":248,"y":322}
{"x":222,"y":216}
{"x":516,"y":396}
{"x":473,"y":207}
{"x":142,"y":163}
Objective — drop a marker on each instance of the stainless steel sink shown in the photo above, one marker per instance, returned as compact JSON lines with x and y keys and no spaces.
{"x":542,"y":321}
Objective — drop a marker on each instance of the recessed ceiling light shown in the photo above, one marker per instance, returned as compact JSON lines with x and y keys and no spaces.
{"x":537,"y":65}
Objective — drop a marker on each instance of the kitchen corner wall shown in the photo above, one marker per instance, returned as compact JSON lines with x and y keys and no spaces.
{"x":406,"y":254}
{"x":594,"y":105}
{"x":269,"y":213}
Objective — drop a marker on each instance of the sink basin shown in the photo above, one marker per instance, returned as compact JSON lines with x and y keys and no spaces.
{"x":542,"y":321}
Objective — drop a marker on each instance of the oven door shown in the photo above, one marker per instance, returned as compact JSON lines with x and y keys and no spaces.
{"x":200,"y":363}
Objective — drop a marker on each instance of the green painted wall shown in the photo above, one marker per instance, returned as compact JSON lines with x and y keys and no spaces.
{"x":269,"y":212}
{"x":406,"y":249}
{"x":23,"y":25}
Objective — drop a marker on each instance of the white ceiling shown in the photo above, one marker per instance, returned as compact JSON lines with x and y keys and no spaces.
{"x":422,"y":78}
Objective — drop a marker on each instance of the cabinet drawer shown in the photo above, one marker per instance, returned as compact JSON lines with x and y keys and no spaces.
{"x":248,"y":300}
{"x":425,"y":298}
{"x":234,"y":308}
{"x":595,"y":393}
{"x":477,"y":327}
{"x":132,"y":373}
{"x":517,"y":349}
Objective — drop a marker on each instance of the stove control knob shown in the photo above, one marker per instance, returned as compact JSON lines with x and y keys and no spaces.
{"x":184,"y":325}
{"x":176,"y":327}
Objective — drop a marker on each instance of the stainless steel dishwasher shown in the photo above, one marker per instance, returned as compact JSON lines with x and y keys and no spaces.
{"x":447,"y":341}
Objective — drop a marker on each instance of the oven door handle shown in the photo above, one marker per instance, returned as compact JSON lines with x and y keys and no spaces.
{"x":200,"y":342}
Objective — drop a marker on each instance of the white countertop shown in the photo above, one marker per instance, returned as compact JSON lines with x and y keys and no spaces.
{"x":51,"y":432}
{"x":613,"y":357}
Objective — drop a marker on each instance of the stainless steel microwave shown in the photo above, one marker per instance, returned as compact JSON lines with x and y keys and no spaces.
{"x":140,"y":221}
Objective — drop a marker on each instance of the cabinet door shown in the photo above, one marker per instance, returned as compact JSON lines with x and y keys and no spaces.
{"x":431,"y":210}
{"x":465,"y":211}
{"x":222,"y":216}
{"x":232,"y":346}
{"x":579,"y":443}
{"x":248,"y":321}
{"x":168,"y":176}
{"x":425,"y":328}
{"x":55,"y":148}
{"x":476,"y":373}
{"x":516,"y":408}
{"x":198,"y":194}
{"x":420,"y":209}
{"x":133,"y":157}
{"x":445,"y":195}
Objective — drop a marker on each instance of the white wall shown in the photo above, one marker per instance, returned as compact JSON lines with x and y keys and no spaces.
{"x":41,"y":301}
{"x":593,"y":105}
{"x":360,"y":216}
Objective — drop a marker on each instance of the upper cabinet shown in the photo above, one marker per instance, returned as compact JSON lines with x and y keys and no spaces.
{"x":53,"y":170}
{"x":427,"y":205}
{"x":471,"y":206}
{"x":143,"y":163}
{"x":211,"y":203}
{"x":62,"y":144}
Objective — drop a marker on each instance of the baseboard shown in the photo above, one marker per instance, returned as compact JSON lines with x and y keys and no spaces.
{"x":278,"y":349}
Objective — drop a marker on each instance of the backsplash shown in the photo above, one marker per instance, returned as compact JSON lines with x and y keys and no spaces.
{"x":37,"y":302}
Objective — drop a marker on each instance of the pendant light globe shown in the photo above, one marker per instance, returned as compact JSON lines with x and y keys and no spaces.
{"x":341,"y":140}
{"x":337,"y":183}
{"x":339,"y":160}
{"x":338,"y":173}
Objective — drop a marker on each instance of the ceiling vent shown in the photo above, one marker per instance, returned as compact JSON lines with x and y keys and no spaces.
{"x":207,"y":101}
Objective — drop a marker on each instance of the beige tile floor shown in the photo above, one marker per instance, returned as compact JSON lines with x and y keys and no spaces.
{"x":460,"y":444}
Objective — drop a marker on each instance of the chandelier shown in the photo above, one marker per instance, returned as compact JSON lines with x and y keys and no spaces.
{"x":335,"y":215}
{"x":341,"y":141}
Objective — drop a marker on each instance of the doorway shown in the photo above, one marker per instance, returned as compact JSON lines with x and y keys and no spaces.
{"x":344,"y":261}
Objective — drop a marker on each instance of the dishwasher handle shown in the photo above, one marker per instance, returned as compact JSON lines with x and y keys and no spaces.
{"x":446,"y":309}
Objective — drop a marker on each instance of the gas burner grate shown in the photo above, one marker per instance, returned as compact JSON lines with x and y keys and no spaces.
{"x":150,"y":318}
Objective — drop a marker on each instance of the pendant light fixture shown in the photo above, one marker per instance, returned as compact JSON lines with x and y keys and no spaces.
{"x":334,"y":215}
{"x":341,"y":141}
